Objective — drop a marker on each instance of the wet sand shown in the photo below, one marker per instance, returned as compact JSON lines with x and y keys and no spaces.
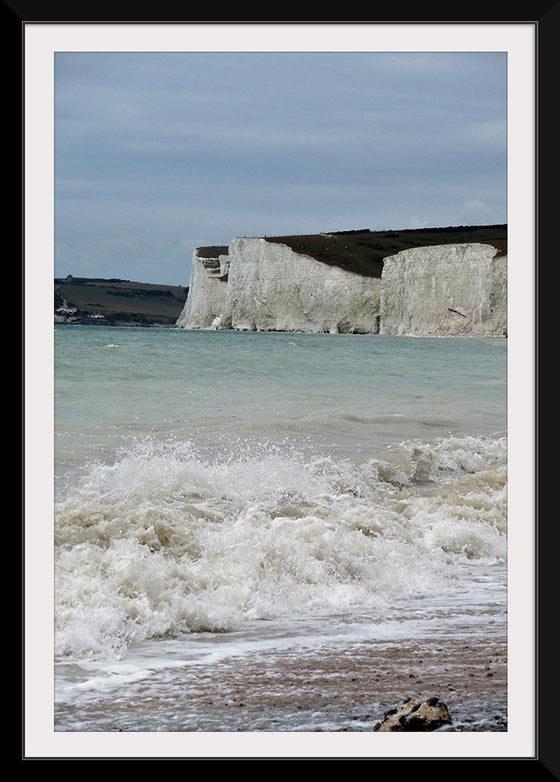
{"x":327,"y":688}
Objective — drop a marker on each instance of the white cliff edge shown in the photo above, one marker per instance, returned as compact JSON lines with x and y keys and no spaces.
{"x":256,"y":285}
{"x":207,"y":290}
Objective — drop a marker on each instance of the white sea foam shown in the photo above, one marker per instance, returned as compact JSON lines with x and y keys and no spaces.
{"x":226,"y":498}
{"x":165,"y":541}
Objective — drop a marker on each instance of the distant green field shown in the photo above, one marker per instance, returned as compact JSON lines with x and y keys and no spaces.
{"x":363,"y":251}
{"x":119,"y":301}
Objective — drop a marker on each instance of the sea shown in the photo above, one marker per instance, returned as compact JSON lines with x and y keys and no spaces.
{"x":260,"y":532}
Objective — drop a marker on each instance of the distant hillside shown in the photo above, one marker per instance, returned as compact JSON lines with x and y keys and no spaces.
{"x":362,"y":251}
{"x":114,"y":302}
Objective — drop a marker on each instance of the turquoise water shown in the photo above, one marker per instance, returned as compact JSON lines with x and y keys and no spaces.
{"x":224,"y":493}
{"x":343,"y":393}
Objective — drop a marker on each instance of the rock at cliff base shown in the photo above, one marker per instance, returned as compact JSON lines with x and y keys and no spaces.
{"x":416,"y":715}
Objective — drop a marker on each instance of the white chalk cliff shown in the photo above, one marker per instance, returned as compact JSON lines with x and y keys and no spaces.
{"x":207,"y":289}
{"x":257,"y":285}
{"x":448,"y":290}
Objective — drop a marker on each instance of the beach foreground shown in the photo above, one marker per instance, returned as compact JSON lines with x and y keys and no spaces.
{"x":334,"y":687}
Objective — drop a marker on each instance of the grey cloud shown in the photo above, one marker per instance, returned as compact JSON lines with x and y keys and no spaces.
{"x":160,"y":150}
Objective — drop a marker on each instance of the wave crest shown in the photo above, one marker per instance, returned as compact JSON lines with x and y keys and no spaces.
{"x":166,"y":541}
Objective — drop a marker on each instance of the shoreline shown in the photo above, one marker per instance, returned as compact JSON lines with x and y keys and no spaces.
{"x":332,"y":688}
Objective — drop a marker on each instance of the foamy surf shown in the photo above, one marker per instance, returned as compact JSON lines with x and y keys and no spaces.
{"x":163,"y":542}
{"x":268,"y":532}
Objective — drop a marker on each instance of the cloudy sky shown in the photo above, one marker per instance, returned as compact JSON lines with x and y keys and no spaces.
{"x":159,"y":153}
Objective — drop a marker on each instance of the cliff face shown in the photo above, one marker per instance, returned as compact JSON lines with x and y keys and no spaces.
{"x":207,"y":290}
{"x":272,"y":288}
{"x":259,"y":285}
{"x":450,"y":290}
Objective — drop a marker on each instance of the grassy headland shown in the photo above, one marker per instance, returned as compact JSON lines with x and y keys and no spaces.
{"x":114,"y":302}
{"x":363,"y":251}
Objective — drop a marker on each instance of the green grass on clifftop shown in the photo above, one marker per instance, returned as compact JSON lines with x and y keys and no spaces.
{"x":363,"y":251}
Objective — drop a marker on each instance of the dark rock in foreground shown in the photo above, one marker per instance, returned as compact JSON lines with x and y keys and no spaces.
{"x":416,"y":715}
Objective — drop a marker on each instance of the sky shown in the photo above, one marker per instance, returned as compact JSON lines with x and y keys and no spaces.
{"x":158,"y":153}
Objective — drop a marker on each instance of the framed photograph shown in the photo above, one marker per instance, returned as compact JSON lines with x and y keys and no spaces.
{"x":280,"y":424}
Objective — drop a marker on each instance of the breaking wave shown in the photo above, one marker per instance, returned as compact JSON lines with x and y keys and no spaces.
{"x":166,"y":541}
